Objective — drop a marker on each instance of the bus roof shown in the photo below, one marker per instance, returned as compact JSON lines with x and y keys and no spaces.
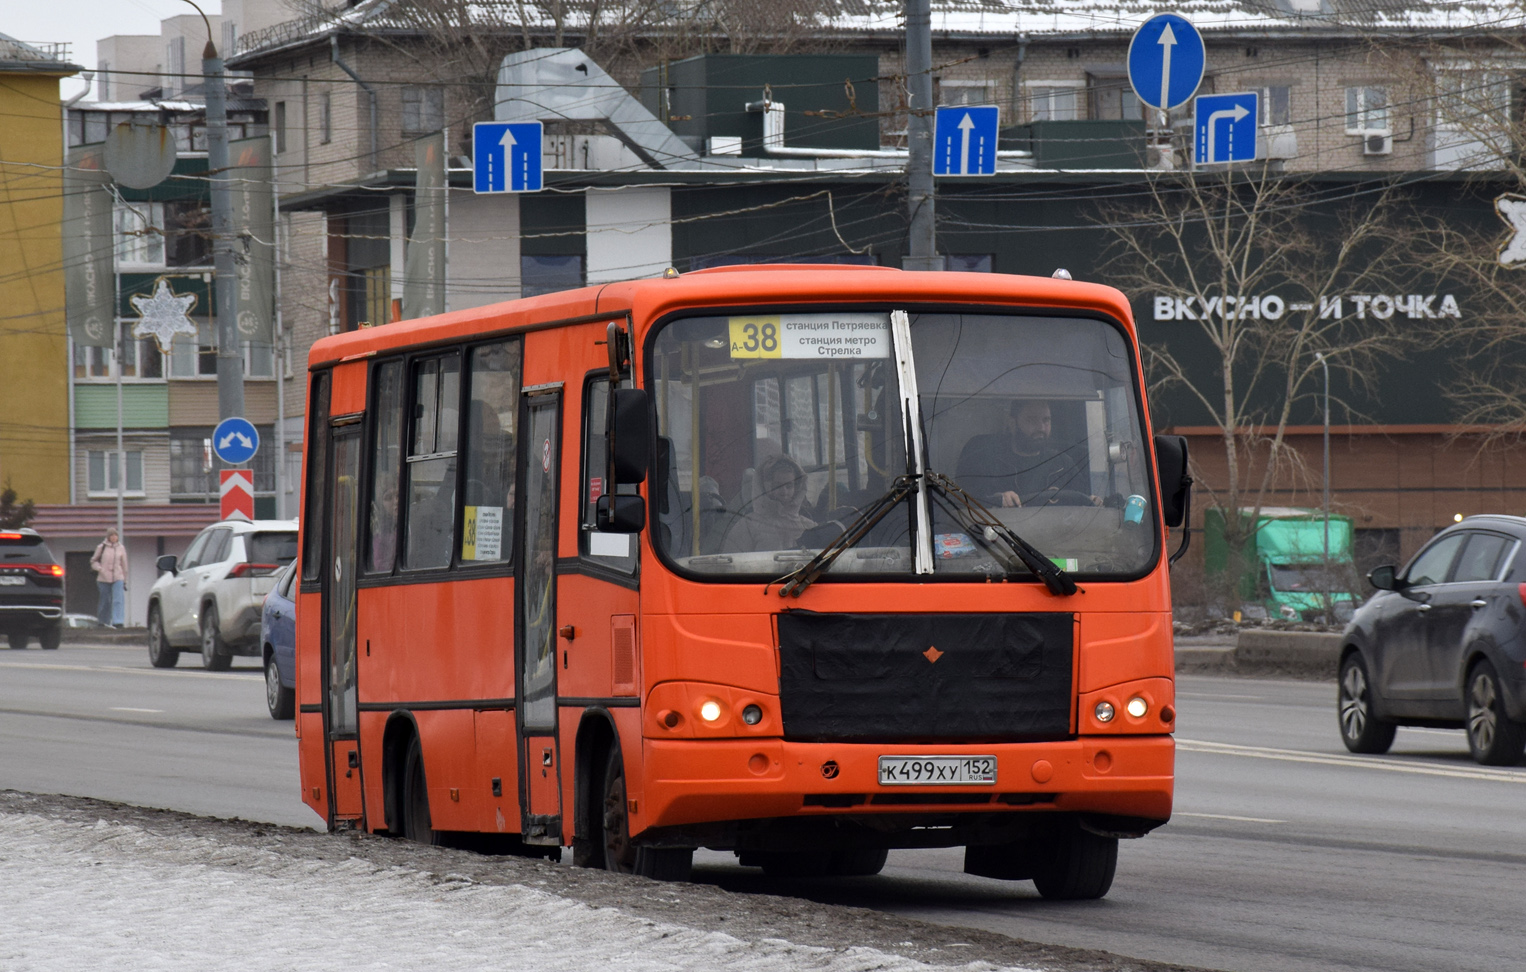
{"x":652,"y":297}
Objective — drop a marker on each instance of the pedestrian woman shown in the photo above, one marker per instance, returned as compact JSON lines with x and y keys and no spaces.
{"x":110,"y":565}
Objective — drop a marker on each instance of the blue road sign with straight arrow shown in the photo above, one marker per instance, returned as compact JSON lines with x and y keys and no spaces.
{"x":506,"y":157}
{"x":1166,"y":61}
{"x":964,"y":140}
{"x":1224,"y":128}
{"x":235,"y":441}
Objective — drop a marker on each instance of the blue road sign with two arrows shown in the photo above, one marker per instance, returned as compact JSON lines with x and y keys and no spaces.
{"x":1224,"y":128}
{"x":964,"y":140}
{"x":1166,"y":61}
{"x":506,"y":157}
{"x":235,"y":441}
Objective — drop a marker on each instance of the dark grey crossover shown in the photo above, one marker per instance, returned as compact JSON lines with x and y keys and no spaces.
{"x":1443,"y":643}
{"x":31,"y":590}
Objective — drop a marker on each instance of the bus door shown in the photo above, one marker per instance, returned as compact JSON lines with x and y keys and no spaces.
{"x":535,"y":653}
{"x":340,"y":702}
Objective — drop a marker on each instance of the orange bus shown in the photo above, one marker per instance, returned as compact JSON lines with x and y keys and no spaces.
{"x":805,"y":563}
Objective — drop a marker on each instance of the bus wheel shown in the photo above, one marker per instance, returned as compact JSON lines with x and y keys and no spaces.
{"x":858,"y":862}
{"x":1077,"y":866}
{"x":620,"y":855}
{"x":416,"y":825}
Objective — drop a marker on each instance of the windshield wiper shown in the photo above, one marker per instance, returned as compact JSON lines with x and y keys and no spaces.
{"x":796,"y":581}
{"x":986,"y":528}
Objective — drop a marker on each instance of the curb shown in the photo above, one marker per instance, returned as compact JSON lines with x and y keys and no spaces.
{"x":1298,"y":654}
{"x":105,"y":636}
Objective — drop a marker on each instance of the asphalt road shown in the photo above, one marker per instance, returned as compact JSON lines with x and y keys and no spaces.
{"x":1286,"y":853}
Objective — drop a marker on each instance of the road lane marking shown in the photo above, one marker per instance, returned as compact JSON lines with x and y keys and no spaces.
{"x":1225,"y":816}
{"x":129,"y":708}
{"x":1366,"y":762}
{"x":240,"y":673}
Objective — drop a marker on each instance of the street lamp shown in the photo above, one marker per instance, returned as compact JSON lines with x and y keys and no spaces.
{"x":1325,"y":364}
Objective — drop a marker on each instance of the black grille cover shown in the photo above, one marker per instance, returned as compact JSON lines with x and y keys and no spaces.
{"x":925,"y":676}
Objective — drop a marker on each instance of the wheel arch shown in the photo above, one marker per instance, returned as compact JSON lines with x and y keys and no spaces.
{"x":597,"y":736}
{"x":402,"y":728}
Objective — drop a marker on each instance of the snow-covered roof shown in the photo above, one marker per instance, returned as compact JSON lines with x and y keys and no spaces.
{"x":968,"y":18}
{"x":17,"y":55}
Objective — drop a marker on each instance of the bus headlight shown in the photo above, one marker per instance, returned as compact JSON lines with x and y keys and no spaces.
{"x":710,"y":710}
{"x":1104,"y":711}
{"x":1137,"y":707}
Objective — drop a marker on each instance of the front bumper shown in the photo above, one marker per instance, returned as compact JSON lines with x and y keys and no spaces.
{"x":691,"y":782}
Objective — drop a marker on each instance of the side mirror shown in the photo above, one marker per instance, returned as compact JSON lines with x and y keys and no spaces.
{"x":620,"y":514}
{"x":630,"y":436}
{"x":1175,"y":484}
{"x":1383,"y":578}
{"x":166,"y":564}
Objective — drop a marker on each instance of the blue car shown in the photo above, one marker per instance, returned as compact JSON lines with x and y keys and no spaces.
{"x":278,"y":645}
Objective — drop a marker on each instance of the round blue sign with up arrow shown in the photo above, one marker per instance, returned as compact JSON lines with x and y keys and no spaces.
{"x":235,"y":441}
{"x":1166,"y":61}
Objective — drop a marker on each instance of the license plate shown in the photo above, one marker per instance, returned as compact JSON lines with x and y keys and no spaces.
{"x":13,"y":579}
{"x":937,"y":770}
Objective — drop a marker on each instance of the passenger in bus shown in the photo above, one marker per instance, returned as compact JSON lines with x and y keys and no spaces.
{"x":1023,"y":466}
{"x":384,"y":523}
{"x":773,"y":521}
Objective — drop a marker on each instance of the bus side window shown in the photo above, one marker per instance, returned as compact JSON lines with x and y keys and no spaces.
{"x":431,"y":461}
{"x":386,"y":467}
{"x":487,"y":516}
{"x":617,"y":550}
{"x":317,"y":477}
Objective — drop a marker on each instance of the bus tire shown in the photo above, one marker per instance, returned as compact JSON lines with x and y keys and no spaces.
{"x":620,"y":855}
{"x":416,"y":822}
{"x":858,"y":862}
{"x":160,"y":653}
{"x":1077,"y":866}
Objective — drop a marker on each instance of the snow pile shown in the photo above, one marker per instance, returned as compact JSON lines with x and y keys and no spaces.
{"x":110,"y":895}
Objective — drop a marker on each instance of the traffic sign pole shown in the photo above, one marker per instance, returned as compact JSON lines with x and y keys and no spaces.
{"x":921,"y":242}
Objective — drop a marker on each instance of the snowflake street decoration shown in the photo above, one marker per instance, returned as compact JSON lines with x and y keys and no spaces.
{"x":163,"y":315}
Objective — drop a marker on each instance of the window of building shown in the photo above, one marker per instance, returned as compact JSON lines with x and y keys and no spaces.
{"x":191,"y":464}
{"x":195,"y":357}
{"x":376,"y":295}
{"x":1366,"y":110}
{"x":174,"y":56}
{"x":487,"y":517}
{"x":423,"y":109}
{"x":549,"y":274}
{"x":325,"y":118}
{"x":1112,"y":98}
{"x":1275,"y":102}
{"x":1463,"y":96}
{"x":954,"y":93}
{"x":386,"y":467}
{"x":1053,"y":101}
{"x":103,"y":69}
{"x":140,"y":233}
{"x":278,"y":127}
{"x":969,"y":262}
{"x":187,"y":233}
{"x":431,"y":462}
{"x":103,"y":472}
{"x":230,"y":37}
{"x":141,"y":358}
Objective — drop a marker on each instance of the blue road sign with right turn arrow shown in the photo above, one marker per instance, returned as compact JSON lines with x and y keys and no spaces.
{"x":1166,"y":61}
{"x":506,"y":157}
{"x":1224,"y":128}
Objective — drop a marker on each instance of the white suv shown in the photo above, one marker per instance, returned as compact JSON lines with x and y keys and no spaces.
{"x":214,"y":595}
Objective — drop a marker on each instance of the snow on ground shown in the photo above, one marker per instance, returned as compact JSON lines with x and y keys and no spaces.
{"x":77,"y":894}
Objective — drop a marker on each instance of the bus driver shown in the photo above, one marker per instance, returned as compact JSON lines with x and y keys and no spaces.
{"x":1023,"y":466}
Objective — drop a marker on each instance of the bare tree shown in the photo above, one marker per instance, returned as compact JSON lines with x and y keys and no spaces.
{"x":1260,"y":271}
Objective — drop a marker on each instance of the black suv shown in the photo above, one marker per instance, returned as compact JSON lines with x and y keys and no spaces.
{"x":1442,"y":644}
{"x":31,"y":590}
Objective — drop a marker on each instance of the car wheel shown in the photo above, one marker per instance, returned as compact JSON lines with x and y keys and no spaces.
{"x":416,"y":823}
{"x":280,"y":700}
{"x":50,"y":637}
{"x":1078,"y":865}
{"x":1361,"y":731}
{"x":1493,"y":739}
{"x":160,"y":653}
{"x":620,"y":855}
{"x":17,"y":640}
{"x":214,"y":653}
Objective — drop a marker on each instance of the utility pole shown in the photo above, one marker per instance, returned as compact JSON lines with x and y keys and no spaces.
{"x":922,"y":248}
{"x":230,"y":358}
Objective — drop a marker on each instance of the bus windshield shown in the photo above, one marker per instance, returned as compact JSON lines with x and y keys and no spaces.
{"x":775,"y":429}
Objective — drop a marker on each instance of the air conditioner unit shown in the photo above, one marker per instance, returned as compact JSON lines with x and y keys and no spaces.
{"x":1377,"y":143}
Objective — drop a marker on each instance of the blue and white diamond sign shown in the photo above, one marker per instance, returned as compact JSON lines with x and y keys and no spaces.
{"x":1166,"y":61}
{"x":506,"y":157}
{"x":964,"y":140}
{"x":235,"y":441}
{"x":1224,"y":128}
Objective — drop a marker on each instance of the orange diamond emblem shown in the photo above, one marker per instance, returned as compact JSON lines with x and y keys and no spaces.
{"x":932,"y":654}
